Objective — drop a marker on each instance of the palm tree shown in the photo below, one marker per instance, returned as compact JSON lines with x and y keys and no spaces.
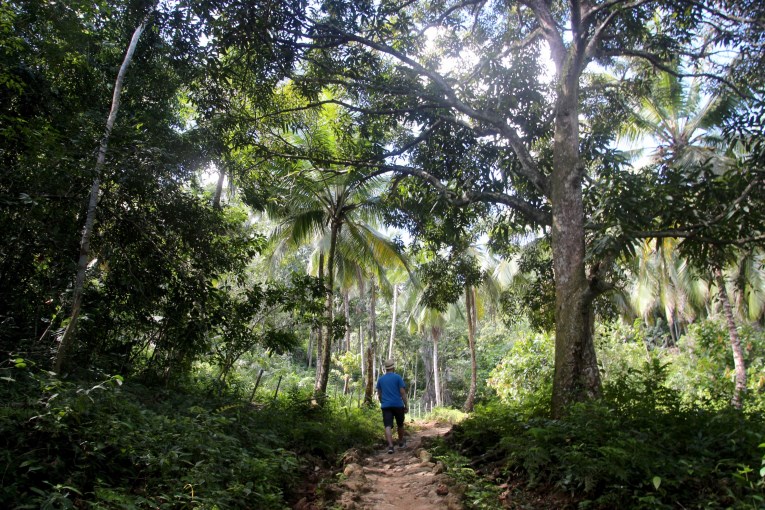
{"x":684,"y":124}
{"x":431,"y":323}
{"x":665,"y":286}
{"x":678,"y":125}
{"x":336,"y":216}
{"x":319,"y":202}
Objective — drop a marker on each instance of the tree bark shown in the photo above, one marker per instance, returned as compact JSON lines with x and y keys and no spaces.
{"x":414,"y":383}
{"x":435,"y":334}
{"x":319,"y":333}
{"x":576,"y":371}
{"x":393,"y":321}
{"x":370,"y":375}
{"x":371,"y":350}
{"x":321,"y":387}
{"x":327,"y":349}
{"x":219,"y":189}
{"x":428,"y":395}
{"x":735,"y":342}
{"x":310,"y":349}
{"x":361,"y":352}
{"x":90,"y":217}
{"x":347,"y":313}
{"x":471,"y":310}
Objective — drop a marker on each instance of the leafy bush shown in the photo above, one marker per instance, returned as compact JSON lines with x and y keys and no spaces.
{"x":525,"y":373}
{"x":638,"y":447}
{"x":114,"y":445}
{"x":445,"y":415}
{"x":703,"y":367}
{"x":621,"y":348}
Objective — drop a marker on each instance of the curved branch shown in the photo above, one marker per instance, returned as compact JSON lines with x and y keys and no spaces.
{"x":472,"y":197}
{"x":528,"y":168}
{"x":658,"y":63}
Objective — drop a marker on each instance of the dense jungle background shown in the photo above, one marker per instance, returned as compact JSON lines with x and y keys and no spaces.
{"x":219,"y":217}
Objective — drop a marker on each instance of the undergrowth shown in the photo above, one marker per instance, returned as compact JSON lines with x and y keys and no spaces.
{"x":117,"y":444}
{"x":445,"y":415}
{"x":638,"y":447}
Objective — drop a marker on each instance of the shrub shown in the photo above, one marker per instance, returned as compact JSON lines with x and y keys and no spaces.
{"x":113,"y":445}
{"x":638,"y":447}
{"x":525,"y":372}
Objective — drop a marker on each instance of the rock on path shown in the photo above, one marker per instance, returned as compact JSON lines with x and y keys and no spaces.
{"x":405,"y":480}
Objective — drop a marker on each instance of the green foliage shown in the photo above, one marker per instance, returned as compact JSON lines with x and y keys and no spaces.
{"x":700,"y":368}
{"x":115,"y":445}
{"x":525,"y":373}
{"x":445,"y":415}
{"x":621,"y":348}
{"x":703,"y":367}
{"x":532,"y":294}
{"x":638,"y":447}
{"x":664,"y":431}
{"x":480,"y":493}
{"x":447,"y":278}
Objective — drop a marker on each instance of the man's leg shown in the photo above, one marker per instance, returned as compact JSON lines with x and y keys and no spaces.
{"x":400,"y":424}
{"x":388,"y":424}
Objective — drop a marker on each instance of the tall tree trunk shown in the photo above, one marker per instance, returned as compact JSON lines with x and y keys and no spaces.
{"x":393,"y":321}
{"x":361,"y":353}
{"x":90,"y":217}
{"x":576,"y":370}
{"x":371,"y":351}
{"x":471,"y":310}
{"x":310,"y":349}
{"x":414,"y":384}
{"x":370,"y":375}
{"x":735,"y":342}
{"x":428,"y":395}
{"x":219,"y":189}
{"x":321,"y":387}
{"x":319,"y":332}
{"x":435,"y":332}
{"x":347,"y":313}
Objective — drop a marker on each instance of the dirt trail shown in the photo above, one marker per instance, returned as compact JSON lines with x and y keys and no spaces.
{"x":408,"y":479}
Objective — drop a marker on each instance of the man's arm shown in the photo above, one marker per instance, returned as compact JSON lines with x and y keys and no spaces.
{"x":404,"y":397}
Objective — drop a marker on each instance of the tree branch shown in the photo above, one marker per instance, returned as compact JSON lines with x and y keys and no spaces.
{"x":658,"y":63}
{"x":471,"y":197}
{"x":529,"y":167}
{"x":551,"y":30}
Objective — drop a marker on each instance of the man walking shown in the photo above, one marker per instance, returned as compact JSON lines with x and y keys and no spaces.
{"x":394,"y":403}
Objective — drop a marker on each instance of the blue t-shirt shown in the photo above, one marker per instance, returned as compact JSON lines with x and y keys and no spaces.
{"x":388,"y":386}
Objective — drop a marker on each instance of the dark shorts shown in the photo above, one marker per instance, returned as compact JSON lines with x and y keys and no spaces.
{"x":393,"y":412}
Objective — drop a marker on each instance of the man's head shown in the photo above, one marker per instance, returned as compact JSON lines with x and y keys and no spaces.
{"x":390,"y":365}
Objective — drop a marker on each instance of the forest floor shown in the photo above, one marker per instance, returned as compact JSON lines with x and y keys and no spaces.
{"x":407,"y":479}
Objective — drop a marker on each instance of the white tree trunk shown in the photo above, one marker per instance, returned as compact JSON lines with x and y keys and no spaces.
{"x":90,"y":217}
{"x":219,"y":189}
{"x":471,"y":310}
{"x":347,"y":313}
{"x":436,"y":332}
{"x":393,"y":321}
{"x":361,"y":352}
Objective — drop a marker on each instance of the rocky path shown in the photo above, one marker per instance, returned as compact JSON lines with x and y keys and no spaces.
{"x":408,"y":479}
